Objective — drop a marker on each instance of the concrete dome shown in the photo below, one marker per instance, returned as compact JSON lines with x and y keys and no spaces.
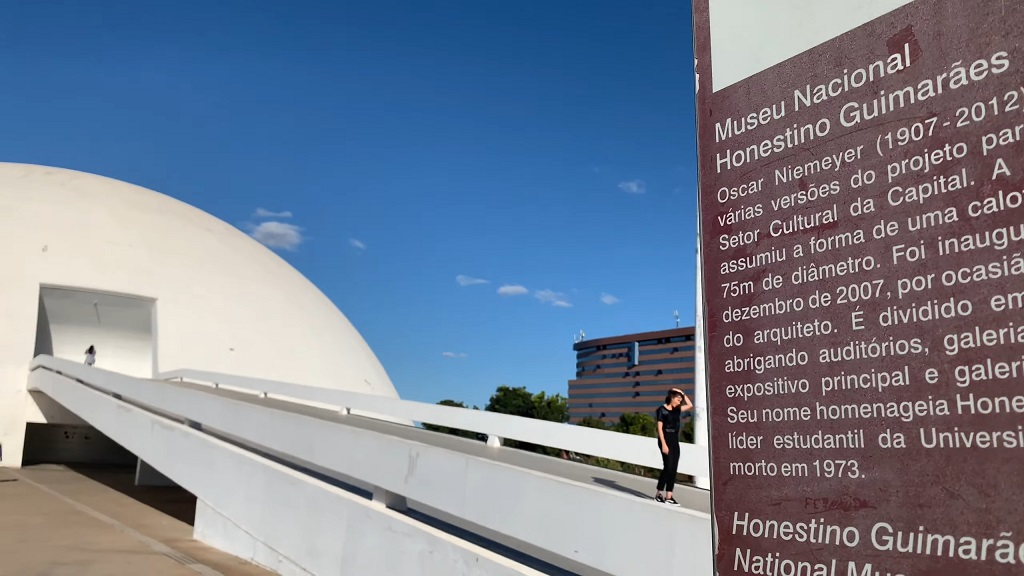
{"x":155,"y":285}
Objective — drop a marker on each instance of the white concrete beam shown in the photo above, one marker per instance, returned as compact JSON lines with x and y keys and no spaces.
{"x":693,"y":460}
{"x":541,"y":510}
{"x":297,"y":521}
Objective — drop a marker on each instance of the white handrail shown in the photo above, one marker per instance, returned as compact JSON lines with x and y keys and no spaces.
{"x":639,"y":450}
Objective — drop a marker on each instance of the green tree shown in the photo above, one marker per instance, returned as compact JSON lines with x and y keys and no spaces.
{"x":514,"y":401}
{"x":636,"y":423}
{"x":551,"y":408}
{"x":520,"y":402}
{"x":591,"y":422}
{"x":687,"y":434}
{"x":454,"y":431}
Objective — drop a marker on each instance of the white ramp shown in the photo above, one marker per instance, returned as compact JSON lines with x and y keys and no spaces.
{"x":210,"y":440}
{"x":270,"y":514}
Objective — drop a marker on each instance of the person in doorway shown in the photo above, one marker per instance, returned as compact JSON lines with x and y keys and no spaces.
{"x":90,"y":355}
{"x":669,"y":418}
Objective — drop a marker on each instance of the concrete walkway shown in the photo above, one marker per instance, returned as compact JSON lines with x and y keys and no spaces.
{"x":57,"y":522}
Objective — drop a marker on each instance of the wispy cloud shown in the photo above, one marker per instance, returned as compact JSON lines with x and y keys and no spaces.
{"x":280,"y":235}
{"x":512,"y":290}
{"x":454,"y":354}
{"x":264,"y":213}
{"x":464,"y":280}
{"x":556,"y":299}
{"x":633,"y":187}
{"x":608,"y":298}
{"x":356,"y":243}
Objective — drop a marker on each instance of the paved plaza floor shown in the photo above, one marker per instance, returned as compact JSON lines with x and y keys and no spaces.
{"x":55,"y":521}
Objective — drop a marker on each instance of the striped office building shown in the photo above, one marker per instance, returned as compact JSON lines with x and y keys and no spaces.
{"x":630,"y":373}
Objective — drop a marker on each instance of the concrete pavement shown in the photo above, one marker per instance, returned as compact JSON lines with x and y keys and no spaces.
{"x":58,"y":522}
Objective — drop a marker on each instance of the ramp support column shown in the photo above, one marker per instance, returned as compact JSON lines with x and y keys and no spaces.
{"x":390,"y":500}
{"x":146,"y":475}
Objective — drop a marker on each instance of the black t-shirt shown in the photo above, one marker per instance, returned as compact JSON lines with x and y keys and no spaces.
{"x":670,"y":419}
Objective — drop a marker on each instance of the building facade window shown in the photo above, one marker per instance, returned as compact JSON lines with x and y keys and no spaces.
{"x":630,"y":373}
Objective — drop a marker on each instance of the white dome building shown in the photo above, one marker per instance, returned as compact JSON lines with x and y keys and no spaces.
{"x":155,"y":285}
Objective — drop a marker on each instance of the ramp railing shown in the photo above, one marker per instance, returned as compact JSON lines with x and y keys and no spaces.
{"x":642,"y":451}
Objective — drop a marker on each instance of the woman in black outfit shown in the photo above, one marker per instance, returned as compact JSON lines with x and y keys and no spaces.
{"x":668,"y":417}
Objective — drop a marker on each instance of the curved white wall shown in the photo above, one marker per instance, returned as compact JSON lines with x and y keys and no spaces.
{"x":224,"y":303}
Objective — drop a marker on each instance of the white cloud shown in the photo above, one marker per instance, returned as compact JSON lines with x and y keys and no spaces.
{"x":454,"y":354}
{"x":264,"y":213}
{"x":277,"y":235}
{"x":464,"y":280}
{"x":512,"y":290}
{"x":633,"y":187}
{"x":356,"y":243}
{"x":556,"y":299}
{"x":608,"y":298}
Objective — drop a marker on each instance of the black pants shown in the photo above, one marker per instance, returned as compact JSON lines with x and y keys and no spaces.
{"x":670,"y":461}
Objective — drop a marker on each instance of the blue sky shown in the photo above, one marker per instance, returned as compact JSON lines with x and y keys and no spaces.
{"x":544,"y":147}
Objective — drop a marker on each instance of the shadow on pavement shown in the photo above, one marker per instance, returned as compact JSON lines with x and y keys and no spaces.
{"x":173,"y":501}
{"x":608,"y":483}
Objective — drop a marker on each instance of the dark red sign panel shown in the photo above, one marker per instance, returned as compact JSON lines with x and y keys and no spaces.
{"x":862,"y":219}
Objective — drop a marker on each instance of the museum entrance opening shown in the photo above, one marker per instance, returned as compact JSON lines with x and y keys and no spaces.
{"x":119,"y":327}
{"x":70,"y":320}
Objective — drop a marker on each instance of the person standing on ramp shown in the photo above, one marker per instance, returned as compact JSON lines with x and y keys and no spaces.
{"x":669,"y":418}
